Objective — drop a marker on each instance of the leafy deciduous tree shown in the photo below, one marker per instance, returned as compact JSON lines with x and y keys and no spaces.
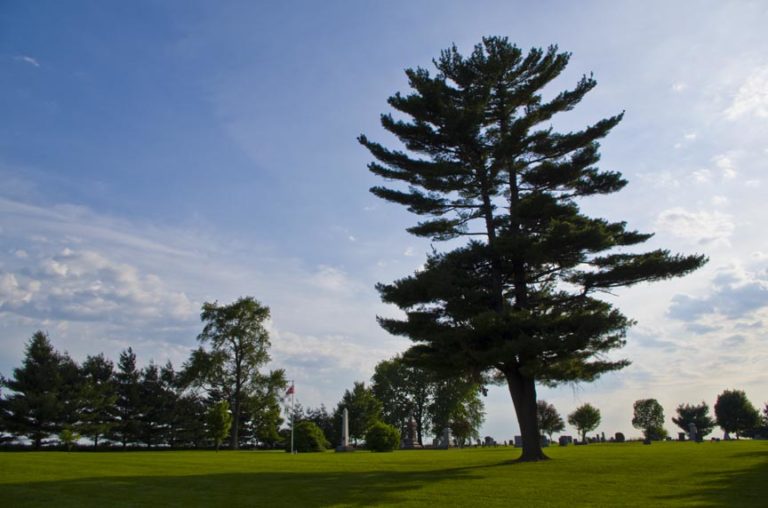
{"x":649,"y":416}
{"x":239,"y":343}
{"x":696,"y":414}
{"x":308,"y":437}
{"x":457,"y":405}
{"x":585,"y":418}
{"x":484,"y":163}
{"x":219,"y":419}
{"x":548,"y":418}
{"x":735,"y":413}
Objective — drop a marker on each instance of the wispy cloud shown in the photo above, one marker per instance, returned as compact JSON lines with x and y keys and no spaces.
{"x":27,"y":59}
{"x":751,"y":99}
{"x":700,"y":226}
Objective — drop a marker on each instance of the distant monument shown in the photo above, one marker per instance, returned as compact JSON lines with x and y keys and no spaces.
{"x":344,"y":446}
{"x":411,"y":440}
{"x":693,"y":432}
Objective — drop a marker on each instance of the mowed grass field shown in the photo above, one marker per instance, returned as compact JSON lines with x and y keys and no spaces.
{"x":732,"y":474}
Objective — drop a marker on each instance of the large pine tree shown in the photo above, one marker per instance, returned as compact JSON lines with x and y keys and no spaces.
{"x":483,"y":163}
{"x":39,"y":400}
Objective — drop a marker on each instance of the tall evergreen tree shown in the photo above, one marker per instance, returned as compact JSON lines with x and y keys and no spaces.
{"x":35,"y":406}
{"x":127,"y":407}
{"x":482,"y":162}
{"x":98,"y":395}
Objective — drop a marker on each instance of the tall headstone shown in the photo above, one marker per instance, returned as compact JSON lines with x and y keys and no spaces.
{"x":411,"y":439}
{"x":445,"y":440}
{"x":693,"y":432}
{"x":344,"y":446}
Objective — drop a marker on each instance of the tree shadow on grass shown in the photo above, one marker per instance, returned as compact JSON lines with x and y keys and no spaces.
{"x":743,"y":488}
{"x":304,"y":489}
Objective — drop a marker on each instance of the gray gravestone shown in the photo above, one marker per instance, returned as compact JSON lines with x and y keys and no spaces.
{"x":693,"y":432}
{"x":411,"y":439}
{"x":518,"y":441}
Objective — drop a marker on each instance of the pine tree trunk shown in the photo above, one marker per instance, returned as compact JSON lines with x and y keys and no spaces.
{"x":523,"y":391}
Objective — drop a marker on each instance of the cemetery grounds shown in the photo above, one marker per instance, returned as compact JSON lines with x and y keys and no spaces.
{"x":711,"y":474}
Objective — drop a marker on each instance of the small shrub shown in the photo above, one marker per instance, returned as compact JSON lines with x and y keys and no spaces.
{"x":382,"y":438}
{"x":307,"y":437}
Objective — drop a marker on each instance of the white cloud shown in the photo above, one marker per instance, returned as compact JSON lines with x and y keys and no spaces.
{"x":679,"y":87}
{"x":27,"y":59}
{"x":87,"y":286}
{"x":719,"y":200}
{"x":332,"y":279}
{"x":409,"y":252}
{"x":702,"y":176}
{"x":752,"y":97}
{"x":725,"y":164}
{"x":690,"y":136}
{"x":701,"y":226}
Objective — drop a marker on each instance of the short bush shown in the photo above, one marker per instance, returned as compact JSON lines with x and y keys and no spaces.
{"x":382,"y":438}
{"x":307,"y":437}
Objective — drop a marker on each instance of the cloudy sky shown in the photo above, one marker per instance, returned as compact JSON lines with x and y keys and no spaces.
{"x":155,"y":155}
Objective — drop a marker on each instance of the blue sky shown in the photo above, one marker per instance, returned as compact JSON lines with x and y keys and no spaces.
{"x":156,"y":155}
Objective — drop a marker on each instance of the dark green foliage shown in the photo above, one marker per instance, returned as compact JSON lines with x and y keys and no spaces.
{"x":409,"y":391}
{"x":382,"y":437}
{"x":456,"y":404}
{"x":98,"y":398}
{"x":585,"y":418}
{"x":39,"y":403}
{"x":696,"y":414}
{"x":264,"y":409}
{"x":482,"y":161}
{"x":239,"y":344}
{"x":127,"y":408}
{"x":363,"y":408}
{"x":308,"y":437}
{"x":548,"y":418}
{"x":735,"y":413}
{"x":649,"y":416}
{"x":325,"y":421}
{"x":68,"y":438}
{"x":219,"y":422}
{"x":405,"y":391}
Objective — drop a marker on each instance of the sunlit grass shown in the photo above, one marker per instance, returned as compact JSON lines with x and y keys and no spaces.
{"x":630,"y":474}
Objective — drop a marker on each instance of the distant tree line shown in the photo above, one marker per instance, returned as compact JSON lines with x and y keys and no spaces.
{"x":51,"y":397}
{"x":397,"y":394}
{"x":734,"y":413}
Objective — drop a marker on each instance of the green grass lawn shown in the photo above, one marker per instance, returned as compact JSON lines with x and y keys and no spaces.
{"x":733,"y":474}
